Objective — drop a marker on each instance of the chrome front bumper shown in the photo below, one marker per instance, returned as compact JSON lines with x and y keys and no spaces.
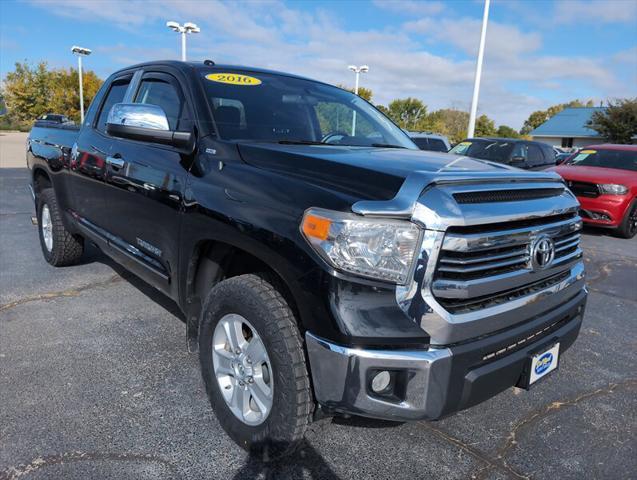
{"x":434,"y":382}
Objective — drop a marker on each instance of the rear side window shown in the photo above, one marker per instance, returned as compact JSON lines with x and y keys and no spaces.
{"x":437,"y":145}
{"x":158,"y":92}
{"x":535,"y":155}
{"x":421,"y":142}
{"x":116,"y":94}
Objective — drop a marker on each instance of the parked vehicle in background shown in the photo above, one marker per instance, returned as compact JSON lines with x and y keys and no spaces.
{"x":604,"y":179}
{"x":430,"y":141}
{"x":323,"y":266}
{"x":524,"y":154}
{"x":53,"y":119}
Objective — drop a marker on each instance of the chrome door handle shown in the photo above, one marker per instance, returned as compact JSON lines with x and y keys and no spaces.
{"x":115,"y":161}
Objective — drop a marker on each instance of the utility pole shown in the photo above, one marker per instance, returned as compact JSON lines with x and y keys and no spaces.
{"x":80,"y":52}
{"x":357,"y":71}
{"x":184,"y":29}
{"x":476,"y":84}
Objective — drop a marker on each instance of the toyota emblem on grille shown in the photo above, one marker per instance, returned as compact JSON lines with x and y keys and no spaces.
{"x":542,"y":252}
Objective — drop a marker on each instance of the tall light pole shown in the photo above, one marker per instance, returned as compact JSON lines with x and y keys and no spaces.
{"x":184,"y":29}
{"x":80,"y":52}
{"x":357,"y":71}
{"x":476,"y":84}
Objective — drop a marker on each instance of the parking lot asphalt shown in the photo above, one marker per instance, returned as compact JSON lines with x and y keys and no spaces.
{"x":96,"y":382}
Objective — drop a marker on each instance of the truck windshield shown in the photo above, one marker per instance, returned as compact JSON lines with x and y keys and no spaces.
{"x":267,"y":107}
{"x":621,"y":159}
{"x":497,"y":151}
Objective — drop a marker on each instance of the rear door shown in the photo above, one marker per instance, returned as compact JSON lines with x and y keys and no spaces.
{"x":88,"y":160}
{"x":535,"y":158}
{"x":146,"y":183}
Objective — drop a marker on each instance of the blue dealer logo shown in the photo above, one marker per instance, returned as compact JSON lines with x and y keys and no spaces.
{"x":543,"y":363}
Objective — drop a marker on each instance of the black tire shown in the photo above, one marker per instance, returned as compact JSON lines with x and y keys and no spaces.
{"x":67,"y":248}
{"x":628,"y":227}
{"x":266,"y":310}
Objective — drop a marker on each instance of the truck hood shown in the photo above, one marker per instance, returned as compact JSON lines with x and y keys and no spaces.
{"x":597,"y":174}
{"x":372,"y":173}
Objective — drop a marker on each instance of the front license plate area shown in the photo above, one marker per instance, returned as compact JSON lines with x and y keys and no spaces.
{"x":544,"y":363}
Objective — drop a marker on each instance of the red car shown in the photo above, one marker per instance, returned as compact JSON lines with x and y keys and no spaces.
{"x":604,"y":180}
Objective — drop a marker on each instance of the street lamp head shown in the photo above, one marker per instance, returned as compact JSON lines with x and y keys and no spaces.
{"x":174,"y":26}
{"x":353,"y":68}
{"x":364,"y":68}
{"x":191,"y":27}
{"x":80,"y":50}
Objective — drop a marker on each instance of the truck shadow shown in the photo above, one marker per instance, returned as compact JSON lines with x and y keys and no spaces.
{"x":306,"y":462}
{"x":93,"y":254}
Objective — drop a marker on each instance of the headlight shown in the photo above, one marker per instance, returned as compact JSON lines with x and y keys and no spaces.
{"x":613,"y":189}
{"x":370,"y":247}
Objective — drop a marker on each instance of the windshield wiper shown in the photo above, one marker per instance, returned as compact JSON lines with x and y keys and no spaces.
{"x":386,"y":145}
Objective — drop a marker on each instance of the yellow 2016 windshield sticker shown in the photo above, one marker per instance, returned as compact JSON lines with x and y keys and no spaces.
{"x":588,"y":152}
{"x":233,"y":79}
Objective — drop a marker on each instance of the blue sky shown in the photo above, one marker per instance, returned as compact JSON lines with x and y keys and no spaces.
{"x":538,"y":53}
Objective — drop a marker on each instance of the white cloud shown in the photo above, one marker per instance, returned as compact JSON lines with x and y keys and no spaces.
{"x":595,"y":11}
{"x":314,"y":43}
{"x":411,"y":7}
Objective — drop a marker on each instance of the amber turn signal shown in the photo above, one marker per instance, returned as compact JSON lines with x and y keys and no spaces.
{"x":316,"y":227}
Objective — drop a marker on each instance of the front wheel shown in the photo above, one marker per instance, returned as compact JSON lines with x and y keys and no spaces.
{"x":253,"y":365}
{"x":628,"y":227}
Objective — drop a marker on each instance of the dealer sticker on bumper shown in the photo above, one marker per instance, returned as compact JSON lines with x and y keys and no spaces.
{"x":544,"y":363}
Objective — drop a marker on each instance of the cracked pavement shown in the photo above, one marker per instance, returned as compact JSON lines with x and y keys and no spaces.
{"x":96,"y":382}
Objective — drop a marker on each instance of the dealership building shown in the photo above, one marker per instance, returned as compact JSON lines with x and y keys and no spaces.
{"x":568,"y":128}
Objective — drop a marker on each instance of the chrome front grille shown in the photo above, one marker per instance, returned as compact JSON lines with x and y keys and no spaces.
{"x":483,"y":263}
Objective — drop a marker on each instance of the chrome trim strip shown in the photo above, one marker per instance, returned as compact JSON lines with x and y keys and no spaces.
{"x":486,"y":258}
{"x":479,"y":287}
{"x":30,"y":187}
{"x":501,"y":238}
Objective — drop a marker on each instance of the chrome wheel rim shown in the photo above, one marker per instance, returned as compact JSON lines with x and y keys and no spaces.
{"x":632,"y":220}
{"x":243,"y":369}
{"x":47,"y":228}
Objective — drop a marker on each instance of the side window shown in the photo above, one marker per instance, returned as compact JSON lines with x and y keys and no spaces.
{"x":437,"y":145}
{"x":535,"y":155}
{"x":115,"y":95}
{"x":520,"y":150}
{"x":159,"y":92}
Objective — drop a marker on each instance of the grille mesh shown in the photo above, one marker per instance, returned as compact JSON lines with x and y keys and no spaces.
{"x":506,"y":195}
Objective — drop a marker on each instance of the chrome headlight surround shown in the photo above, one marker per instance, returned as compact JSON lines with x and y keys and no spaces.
{"x":371,"y":247}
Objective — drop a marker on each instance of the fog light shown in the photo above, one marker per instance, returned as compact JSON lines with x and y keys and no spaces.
{"x":380,"y":381}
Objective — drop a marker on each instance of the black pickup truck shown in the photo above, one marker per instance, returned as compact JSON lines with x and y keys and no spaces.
{"x":324,"y":265}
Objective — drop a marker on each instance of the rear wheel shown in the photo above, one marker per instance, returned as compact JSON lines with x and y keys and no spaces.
{"x":253,"y":365}
{"x":59,"y":246}
{"x":628,"y":227}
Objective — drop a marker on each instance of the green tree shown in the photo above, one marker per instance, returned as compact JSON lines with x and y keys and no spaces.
{"x":64,"y":94}
{"x":538,"y":117}
{"x":33,"y":90}
{"x":407,"y":112}
{"x":507,"y":132}
{"x":363,"y":92}
{"x":618,"y":123}
{"x":450,"y":122}
{"x":26,"y":91}
{"x":485,"y":127}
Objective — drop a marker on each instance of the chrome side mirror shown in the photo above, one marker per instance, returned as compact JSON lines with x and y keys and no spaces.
{"x":138,"y":115}
{"x":146,"y":123}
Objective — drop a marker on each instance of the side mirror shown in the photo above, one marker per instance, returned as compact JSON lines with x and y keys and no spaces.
{"x":518,"y":160}
{"x":145,"y":122}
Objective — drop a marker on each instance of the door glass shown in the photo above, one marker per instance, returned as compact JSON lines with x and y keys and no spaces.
{"x":163,"y":94}
{"x":115,"y":95}
{"x":535,"y":155}
{"x":520,"y":150}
